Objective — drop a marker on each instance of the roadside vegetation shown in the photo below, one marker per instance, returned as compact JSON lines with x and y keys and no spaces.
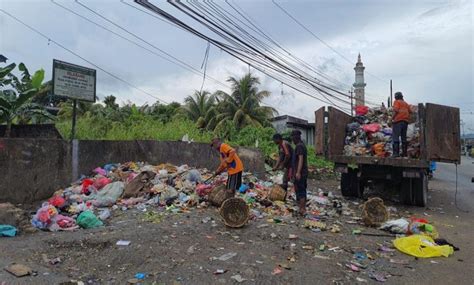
{"x":238,"y":117}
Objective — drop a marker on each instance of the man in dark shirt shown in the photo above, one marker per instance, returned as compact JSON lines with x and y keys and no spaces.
{"x":285,"y":152}
{"x":300,"y":166}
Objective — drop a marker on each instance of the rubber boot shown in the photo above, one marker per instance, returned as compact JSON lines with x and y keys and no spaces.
{"x":396,"y":150}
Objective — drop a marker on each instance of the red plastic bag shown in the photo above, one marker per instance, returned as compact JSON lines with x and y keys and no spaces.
{"x":85,"y":185}
{"x":57,"y":201}
{"x":371,"y":128}
{"x":361,"y":110}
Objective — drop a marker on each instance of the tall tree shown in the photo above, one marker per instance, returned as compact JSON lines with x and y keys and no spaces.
{"x":243,"y":105}
{"x":201,"y":108}
{"x":16,"y":104}
{"x":109,"y":102}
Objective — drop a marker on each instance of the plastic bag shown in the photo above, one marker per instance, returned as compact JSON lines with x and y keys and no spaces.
{"x":108,"y":195}
{"x":353,"y":126}
{"x":361,"y":110}
{"x":371,"y":128}
{"x":64,"y":222}
{"x":109,"y":167}
{"x":105,"y":214}
{"x":57,"y":201}
{"x":43,"y":217}
{"x":194,"y":176}
{"x":168,"y":193}
{"x":7,"y":231}
{"x":86,"y":183}
{"x":88,"y":220}
{"x":203,"y":189}
{"x":399,"y":226}
{"x":101,"y":182}
{"x":422,"y":246}
{"x":100,"y":171}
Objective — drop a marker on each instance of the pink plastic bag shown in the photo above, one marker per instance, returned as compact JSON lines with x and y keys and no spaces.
{"x":203,"y":189}
{"x":64,"y":221}
{"x":99,"y":183}
{"x":371,"y":128}
{"x":100,"y":171}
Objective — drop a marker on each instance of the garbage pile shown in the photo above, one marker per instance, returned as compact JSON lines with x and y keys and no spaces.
{"x":162,"y":190}
{"x":370,"y":133}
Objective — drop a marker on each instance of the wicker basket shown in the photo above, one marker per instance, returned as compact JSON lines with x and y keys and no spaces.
{"x":234,"y":212}
{"x":374,"y":212}
{"x":277,"y":193}
{"x":218,"y":195}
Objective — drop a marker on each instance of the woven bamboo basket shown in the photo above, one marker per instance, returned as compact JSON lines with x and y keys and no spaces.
{"x":234,"y":212}
{"x":374,"y":212}
{"x":277,"y":193}
{"x":218,"y":195}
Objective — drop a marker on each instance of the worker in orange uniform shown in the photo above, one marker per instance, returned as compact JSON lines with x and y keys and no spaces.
{"x":400,"y":118}
{"x":231,"y":163}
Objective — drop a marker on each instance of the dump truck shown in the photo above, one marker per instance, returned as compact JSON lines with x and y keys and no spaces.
{"x":439,"y":141}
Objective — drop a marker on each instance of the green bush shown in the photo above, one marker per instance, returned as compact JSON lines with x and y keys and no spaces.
{"x":144,"y":127}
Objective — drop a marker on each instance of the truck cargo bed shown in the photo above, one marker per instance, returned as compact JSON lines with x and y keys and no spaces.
{"x":386,"y":161}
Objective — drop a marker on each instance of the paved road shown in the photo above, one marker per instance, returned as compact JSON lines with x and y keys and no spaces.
{"x":445,"y":179}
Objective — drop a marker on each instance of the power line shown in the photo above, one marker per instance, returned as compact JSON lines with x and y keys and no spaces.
{"x":321,"y":40}
{"x":241,"y":50}
{"x":149,"y":43}
{"x":79,"y":56}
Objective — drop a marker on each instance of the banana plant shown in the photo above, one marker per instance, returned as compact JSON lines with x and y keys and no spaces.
{"x":16,"y":105}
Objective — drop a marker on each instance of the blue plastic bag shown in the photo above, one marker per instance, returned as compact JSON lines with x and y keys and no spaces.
{"x":7,"y":231}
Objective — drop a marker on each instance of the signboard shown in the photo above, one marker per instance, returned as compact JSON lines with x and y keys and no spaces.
{"x":73,"y":81}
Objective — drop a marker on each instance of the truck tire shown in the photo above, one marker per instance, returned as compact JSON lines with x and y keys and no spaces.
{"x":406,"y":189}
{"x":420,"y":193}
{"x":351,"y":184}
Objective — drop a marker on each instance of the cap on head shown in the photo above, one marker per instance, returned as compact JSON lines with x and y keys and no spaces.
{"x":398,"y":95}
{"x":296,"y":133}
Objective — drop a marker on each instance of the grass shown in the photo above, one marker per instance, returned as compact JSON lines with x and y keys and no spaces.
{"x":147,"y":128}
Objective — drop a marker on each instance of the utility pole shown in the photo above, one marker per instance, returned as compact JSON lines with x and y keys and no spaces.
{"x":463,"y":138}
{"x":352,"y":102}
{"x":391,"y":94}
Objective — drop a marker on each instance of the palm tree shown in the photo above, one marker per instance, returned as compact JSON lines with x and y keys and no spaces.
{"x":109,"y":102}
{"x":201,"y":108}
{"x":242,"y":107}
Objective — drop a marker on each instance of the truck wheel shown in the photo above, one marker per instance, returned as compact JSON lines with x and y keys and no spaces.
{"x":350,"y":184}
{"x":406,"y":189}
{"x":420,"y":193}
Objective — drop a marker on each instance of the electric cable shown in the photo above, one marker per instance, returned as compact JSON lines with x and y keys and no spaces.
{"x":79,"y":56}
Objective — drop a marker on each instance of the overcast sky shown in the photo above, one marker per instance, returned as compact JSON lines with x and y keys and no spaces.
{"x":425,"y":47}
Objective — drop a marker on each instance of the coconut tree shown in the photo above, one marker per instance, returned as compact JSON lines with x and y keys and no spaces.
{"x":243,"y":105}
{"x":17,"y":105}
{"x":201,"y":108}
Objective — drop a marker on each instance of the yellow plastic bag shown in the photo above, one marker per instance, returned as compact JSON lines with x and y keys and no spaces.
{"x":422,"y":246}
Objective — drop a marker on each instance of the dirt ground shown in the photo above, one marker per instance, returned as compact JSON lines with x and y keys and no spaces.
{"x":184,"y":249}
